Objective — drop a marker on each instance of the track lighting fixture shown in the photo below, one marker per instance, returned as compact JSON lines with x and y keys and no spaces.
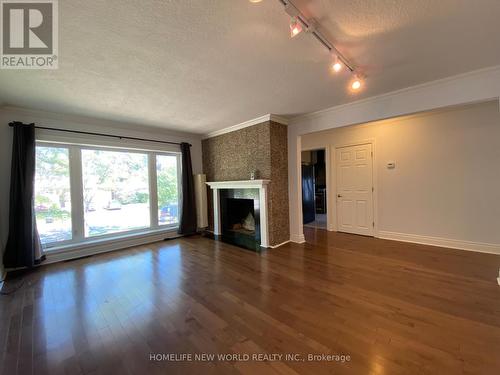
{"x":300,"y":22}
{"x":295,"y":27}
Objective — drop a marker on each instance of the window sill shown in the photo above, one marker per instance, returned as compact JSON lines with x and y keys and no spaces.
{"x":101,"y":245}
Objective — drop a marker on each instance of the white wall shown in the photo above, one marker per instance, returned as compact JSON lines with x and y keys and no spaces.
{"x":477,"y":86}
{"x":40,"y":118}
{"x":446,"y":183}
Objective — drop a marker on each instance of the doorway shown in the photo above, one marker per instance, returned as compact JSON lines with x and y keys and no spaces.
{"x":314,"y":189}
{"x":355,"y":189}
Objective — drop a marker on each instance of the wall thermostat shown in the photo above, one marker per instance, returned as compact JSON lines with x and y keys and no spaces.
{"x":391,"y":165}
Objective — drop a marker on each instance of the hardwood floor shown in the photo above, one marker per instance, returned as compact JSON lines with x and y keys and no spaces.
{"x":394,"y":308}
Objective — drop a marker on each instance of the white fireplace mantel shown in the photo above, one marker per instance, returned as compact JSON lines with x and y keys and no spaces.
{"x":216,"y":186}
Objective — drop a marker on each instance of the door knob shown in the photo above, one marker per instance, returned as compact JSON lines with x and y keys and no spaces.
{"x":339,"y":196}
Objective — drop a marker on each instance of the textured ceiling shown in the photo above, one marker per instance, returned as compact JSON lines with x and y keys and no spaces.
{"x":203,"y":65}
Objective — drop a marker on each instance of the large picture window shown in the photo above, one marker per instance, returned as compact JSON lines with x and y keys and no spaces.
{"x":84,"y":193}
{"x":115,"y":191}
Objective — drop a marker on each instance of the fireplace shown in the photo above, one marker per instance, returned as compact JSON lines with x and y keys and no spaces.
{"x":240,"y":221}
{"x":240,"y":212}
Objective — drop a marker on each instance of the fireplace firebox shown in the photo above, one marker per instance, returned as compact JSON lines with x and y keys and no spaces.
{"x":240,"y":217}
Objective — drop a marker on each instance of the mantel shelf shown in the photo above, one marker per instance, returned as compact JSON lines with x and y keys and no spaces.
{"x":238,"y":184}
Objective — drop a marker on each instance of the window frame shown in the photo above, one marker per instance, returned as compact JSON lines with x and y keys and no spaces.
{"x":179,"y":188}
{"x":76,"y":193}
{"x":65,"y":242}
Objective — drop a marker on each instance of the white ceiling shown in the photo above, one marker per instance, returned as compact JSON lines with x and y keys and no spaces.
{"x":200,"y":65}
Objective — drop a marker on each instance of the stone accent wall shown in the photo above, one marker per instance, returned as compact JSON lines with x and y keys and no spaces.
{"x":262,"y":147}
{"x":278,"y":195}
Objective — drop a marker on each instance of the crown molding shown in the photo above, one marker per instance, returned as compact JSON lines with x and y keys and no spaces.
{"x":396,"y":93}
{"x":246,"y":124}
{"x":279,"y":119}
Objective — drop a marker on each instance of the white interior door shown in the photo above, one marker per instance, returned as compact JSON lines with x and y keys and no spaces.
{"x":354,"y":169}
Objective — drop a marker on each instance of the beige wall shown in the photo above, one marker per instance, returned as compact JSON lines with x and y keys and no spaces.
{"x":262,"y":147}
{"x":446,"y":183}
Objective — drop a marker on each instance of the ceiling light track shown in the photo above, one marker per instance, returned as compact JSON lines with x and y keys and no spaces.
{"x":310,"y":27}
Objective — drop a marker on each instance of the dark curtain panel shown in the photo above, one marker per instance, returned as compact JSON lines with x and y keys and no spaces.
{"x":23,"y":244}
{"x":187,"y":223}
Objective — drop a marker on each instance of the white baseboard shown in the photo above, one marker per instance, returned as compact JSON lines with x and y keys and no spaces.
{"x":442,"y":242}
{"x":297,"y":238}
{"x":278,"y":245}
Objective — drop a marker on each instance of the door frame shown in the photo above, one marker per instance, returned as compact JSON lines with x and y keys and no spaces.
{"x":329,"y":223}
{"x":332,"y":202}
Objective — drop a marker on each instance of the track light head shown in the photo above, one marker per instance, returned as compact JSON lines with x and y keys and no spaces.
{"x":295,"y":27}
{"x":337,"y":65}
{"x":356,"y":83}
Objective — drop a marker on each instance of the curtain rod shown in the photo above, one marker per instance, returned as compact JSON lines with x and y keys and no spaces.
{"x":12,"y":124}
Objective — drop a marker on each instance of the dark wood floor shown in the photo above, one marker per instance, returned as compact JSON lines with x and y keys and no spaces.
{"x":394,"y":308}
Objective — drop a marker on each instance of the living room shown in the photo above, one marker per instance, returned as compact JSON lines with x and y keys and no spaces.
{"x":272,"y":186}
